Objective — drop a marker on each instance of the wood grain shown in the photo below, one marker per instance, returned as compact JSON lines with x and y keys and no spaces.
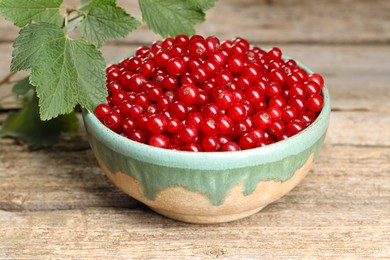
{"x":283,"y":21}
{"x":279,"y":231}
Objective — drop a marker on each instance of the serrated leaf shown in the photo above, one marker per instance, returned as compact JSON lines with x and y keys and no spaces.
{"x":203,"y":4}
{"x":171,"y":17}
{"x":23,"y":12}
{"x":26,"y":125}
{"x":65,"y":72}
{"x":104,"y":20}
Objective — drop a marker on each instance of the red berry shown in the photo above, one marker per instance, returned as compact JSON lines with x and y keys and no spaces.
{"x":299,"y":103}
{"x":197,"y":94}
{"x":118,"y":97}
{"x":162,"y":58}
{"x":294,"y":127}
{"x":247,"y":141}
{"x":188,"y":133}
{"x":157,"y":124}
{"x":212,"y":44}
{"x":274,"y":54}
{"x":208,"y":126}
{"x":308,"y":117}
{"x":237,"y":112}
{"x":210,"y":143}
{"x":173,"y":125}
{"x":160,"y":140}
{"x":230,"y":147}
{"x":224,"y":99}
{"x":189,"y":94}
{"x":102,"y":110}
{"x":224,"y":124}
{"x":192,"y":147}
{"x":113,"y":75}
{"x":113,"y":120}
{"x":276,"y":127}
{"x":128,"y":125}
{"x":176,"y":66}
{"x":148,"y":68}
{"x":138,"y":136}
{"x":317,"y":78}
{"x":198,"y":48}
{"x":262,"y":120}
{"x":312,"y":88}
{"x":315,"y":103}
{"x":289,"y":114}
{"x":182,"y":39}
{"x":194,"y":119}
{"x":113,"y":87}
{"x":179,"y":110}
{"x":235,"y":64}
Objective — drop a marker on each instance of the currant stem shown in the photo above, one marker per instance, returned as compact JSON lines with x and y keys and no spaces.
{"x":7,"y":78}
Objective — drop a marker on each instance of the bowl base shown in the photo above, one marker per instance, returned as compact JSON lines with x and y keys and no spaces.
{"x":184,"y":205}
{"x":206,"y":219}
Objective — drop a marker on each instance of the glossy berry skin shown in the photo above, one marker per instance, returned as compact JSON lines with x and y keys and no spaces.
{"x":230,"y":147}
{"x":247,"y":141}
{"x":208,"y":126}
{"x":198,"y":94}
{"x":160,"y":140}
{"x":173,"y":125}
{"x":198,"y":48}
{"x":262,"y":120}
{"x":188,"y":133}
{"x":210,"y":143}
{"x":188,"y":94}
{"x":113,"y":120}
{"x":276,"y":127}
{"x":192,"y":147}
{"x":102,"y":110}
{"x":176,"y":66}
{"x":157,"y":124}
{"x":224,"y":124}
{"x":315,"y":103}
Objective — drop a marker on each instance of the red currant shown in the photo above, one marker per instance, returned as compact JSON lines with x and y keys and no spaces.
{"x":197,"y":94}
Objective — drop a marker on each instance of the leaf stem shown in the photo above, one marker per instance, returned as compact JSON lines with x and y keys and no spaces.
{"x":7,"y":78}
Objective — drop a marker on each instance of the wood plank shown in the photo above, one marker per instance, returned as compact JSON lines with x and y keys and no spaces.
{"x":358,"y":76}
{"x":67,"y":176}
{"x":279,"y":231}
{"x":284,"y":21}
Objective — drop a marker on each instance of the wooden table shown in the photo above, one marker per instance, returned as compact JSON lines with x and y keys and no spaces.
{"x":56,"y":203}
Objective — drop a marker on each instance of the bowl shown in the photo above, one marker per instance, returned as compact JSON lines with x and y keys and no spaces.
{"x":207,"y":187}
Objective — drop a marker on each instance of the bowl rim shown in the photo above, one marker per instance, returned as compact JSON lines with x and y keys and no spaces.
{"x":214,"y":160}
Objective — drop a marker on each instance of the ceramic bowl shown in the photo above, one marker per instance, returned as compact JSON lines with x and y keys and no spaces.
{"x":207,"y":187}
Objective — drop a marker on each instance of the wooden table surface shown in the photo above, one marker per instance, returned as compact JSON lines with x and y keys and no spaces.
{"x":56,"y":202}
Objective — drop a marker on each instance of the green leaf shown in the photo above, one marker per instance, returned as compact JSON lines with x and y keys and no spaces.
{"x":23,"y":12}
{"x":25,"y":124}
{"x":22,"y":87}
{"x":104,"y":20}
{"x":203,"y":4}
{"x":65,"y":72}
{"x":171,"y":17}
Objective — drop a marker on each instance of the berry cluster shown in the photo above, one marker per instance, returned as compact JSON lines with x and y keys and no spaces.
{"x":197,"y":94}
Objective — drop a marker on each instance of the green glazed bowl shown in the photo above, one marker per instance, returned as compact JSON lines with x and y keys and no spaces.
{"x":207,"y":187}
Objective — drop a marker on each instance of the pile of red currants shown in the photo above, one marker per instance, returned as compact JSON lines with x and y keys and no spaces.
{"x":199,"y":94}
